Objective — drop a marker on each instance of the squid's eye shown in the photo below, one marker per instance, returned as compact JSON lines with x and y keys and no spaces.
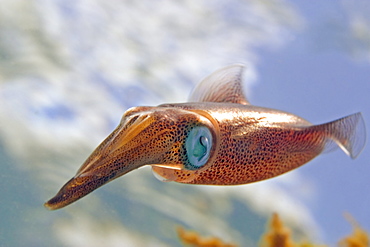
{"x":198,"y":146}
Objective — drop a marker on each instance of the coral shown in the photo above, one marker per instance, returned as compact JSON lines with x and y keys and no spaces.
{"x":359,"y":237}
{"x":276,"y":235}
{"x":193,"y":238}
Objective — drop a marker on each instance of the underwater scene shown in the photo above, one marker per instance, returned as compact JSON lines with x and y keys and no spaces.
{"x":69,"y":70}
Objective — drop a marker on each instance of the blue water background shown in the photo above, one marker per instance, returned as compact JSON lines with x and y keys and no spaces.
{"x":69,"y":70}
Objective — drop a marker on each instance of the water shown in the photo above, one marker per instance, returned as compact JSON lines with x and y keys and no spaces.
{"x":69,"y":70}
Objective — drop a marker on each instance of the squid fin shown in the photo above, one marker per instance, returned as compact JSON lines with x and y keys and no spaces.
{"x":223,"y":85}
{"x":349,"y":133}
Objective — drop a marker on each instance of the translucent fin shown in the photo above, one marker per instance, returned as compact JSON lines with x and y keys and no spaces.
{"x":223,"y":85}
{"x":348,"y":133}
{"x":160,"y":178}
{"x":163,"y":173}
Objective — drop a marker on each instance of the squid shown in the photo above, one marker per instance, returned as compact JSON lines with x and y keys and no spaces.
{"x":217,"y":138}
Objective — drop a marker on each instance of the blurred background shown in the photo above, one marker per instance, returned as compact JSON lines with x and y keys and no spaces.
{"x":70,"y":69}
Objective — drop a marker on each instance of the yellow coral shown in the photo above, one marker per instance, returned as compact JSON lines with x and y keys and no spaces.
{"x":194,"y":239}
{"x":359,"y":237}
{"x":277,"y":235}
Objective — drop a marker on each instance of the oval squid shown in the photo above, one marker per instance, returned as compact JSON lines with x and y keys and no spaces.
{"x":217,"y":138}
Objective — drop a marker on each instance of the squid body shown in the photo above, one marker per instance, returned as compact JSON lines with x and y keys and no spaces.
{"x":217,"y":138}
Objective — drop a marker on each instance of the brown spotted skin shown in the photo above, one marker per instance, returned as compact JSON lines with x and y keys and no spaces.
{"x":249,"y":143}
{"x":253,"y":145}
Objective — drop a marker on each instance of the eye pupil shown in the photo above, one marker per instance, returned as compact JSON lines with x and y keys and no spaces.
{"x":203,"y":141}
{"x":198,"y":146}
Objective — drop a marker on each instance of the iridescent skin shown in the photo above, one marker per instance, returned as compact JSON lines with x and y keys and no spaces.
{"x":249,"y":143}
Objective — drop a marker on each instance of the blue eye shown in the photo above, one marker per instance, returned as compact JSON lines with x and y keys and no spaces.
{"x":198,"y":146}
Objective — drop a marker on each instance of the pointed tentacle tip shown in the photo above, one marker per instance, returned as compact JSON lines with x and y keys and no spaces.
{"x":56,"y":202}
{"x":50,"y":205}
{"x":73,"y":190}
